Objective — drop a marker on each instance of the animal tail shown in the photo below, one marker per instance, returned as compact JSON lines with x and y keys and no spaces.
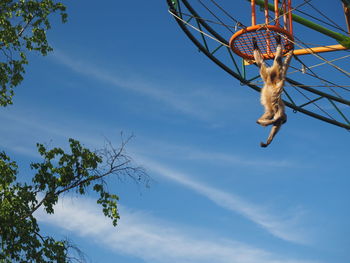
{"x":274,"y":130}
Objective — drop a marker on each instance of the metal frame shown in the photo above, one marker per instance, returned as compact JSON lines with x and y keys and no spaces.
{"x":260,"y":32}
{"x":175,"y":7}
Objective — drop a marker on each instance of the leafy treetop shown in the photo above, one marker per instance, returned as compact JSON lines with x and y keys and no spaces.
{"x":58,"y":173}
{"x":23,"y":26}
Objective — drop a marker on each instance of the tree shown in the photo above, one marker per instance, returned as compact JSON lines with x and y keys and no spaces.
{"x":58,"y":173}
{"x":23,"y":25}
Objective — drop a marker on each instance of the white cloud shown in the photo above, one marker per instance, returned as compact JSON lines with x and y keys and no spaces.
{"x":190,"y":153}
{"x":153,"y":240}
{"x":282,"y":226}
{"x":22,"y":132}
{"x":285,"y":227}
{"x":236,"y":159}
{"x":199,"y":102}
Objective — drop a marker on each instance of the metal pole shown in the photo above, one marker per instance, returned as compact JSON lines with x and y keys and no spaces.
{"x":253,"y":13}
{"x":322,"y":49}
{"x":266,"y":6}
{"x":290,"y":18}
{"x":277,"y":20}
{"x":285,"y":19}
{"x":342,"y":39}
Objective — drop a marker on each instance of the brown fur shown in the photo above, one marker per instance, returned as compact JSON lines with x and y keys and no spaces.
{"x":274,"y":78}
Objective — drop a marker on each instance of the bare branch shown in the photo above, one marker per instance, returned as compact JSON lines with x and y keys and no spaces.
{"x":115,"y":162}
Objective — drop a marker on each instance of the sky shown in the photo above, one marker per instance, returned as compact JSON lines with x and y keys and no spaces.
{"x":214,"y":194}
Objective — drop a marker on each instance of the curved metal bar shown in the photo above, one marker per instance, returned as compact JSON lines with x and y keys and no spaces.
{"x":315,"y":91}
{"x":204,"y":24}
{"x":246,"y":82}
{"x":291,"y":81}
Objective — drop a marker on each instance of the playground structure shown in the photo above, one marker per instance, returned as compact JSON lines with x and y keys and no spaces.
{"x":318,"y":80}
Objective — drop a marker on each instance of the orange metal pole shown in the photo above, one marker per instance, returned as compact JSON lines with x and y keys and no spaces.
{"x":268,"y":46}
{"x":266,"y":12}
{"x":277,"y":21}
{"x":285,"y":19}
{"x":290,"y":16}
{"x":323,"y":49}
{"x":253,"y":13}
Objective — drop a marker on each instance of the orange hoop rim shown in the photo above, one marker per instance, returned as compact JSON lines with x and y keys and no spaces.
{"x":249,"y":56}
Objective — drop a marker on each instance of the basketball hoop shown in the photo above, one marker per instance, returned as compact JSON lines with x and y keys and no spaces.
{"x":241,"y":41}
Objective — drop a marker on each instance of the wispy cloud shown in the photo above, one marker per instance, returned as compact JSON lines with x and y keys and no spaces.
{"x":199,"y":102}
{"x":192,"y":153}
{"x":23,"y":131}
{"x":144,"y":236}
{"x":235,"y":159}
{"x":285,"y":227}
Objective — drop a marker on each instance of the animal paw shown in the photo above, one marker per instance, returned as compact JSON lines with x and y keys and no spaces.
{"x":255,"y":43}
{"x":288,"y":46}
{"x":264,"y":145}
{"x":278,"y":39}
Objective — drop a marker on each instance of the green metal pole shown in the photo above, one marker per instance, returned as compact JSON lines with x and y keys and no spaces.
{"x":175,"y":3}
{"x":342,"y":39}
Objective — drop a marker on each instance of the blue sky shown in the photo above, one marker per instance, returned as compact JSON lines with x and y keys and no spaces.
{"x":215,"y":195}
